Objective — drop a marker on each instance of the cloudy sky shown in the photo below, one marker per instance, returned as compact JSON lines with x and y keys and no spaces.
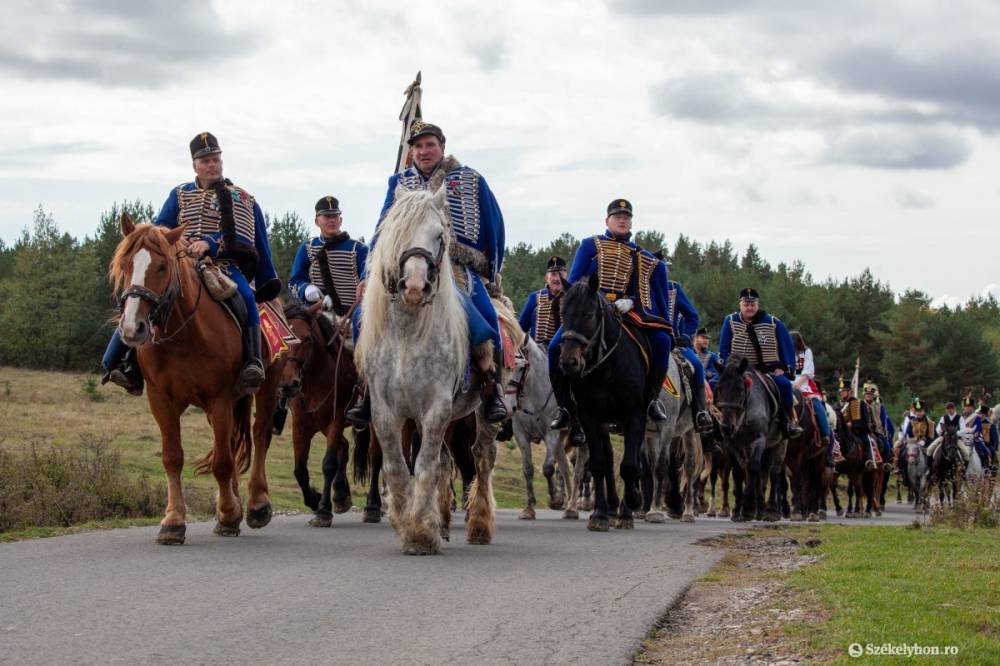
{"x":843,"y":134}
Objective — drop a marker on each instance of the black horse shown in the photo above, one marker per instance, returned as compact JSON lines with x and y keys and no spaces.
{"x":604,"y":367}
{"x":947,"y":467}
{"x":751,"y":428}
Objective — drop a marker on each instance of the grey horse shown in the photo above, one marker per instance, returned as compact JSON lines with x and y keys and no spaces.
{"x":917,"y":473}
{"x":534,"y":409}
{"x":413,"y":351}
{"x":670,"y":447}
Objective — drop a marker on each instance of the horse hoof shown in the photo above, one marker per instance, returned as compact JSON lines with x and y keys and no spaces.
{"x":479,"y":538}
{"x":527,"y":513}
{"x":822,"y":514}
{"x":598,"y":524}
{"x":625,"y":524}
{"x":710,"y":514}
{"x":738,"y":518}
{"x":868,"y":514}
{"x":687,"y":518}
{"x":341,"y":507}
{"x":878,"y":514}
{"x":797,"y":518}
{"x":655,"y":517}
{"x":321,"y":520}
{"x":725,"y":513}
{"x":258,"y":518}
{"x":557,"y":503}
{"x":613,"y":522}
{"x":445,"y":534}
{"x":224,"y":530}
{"x":171,"y":535}
{"x":639,"y":515}
{"x":840,"y":512}
{"x":812,"y":518}
{"x":674,"y":515}
{"x":571,"y":514}
{"x":587,"y":505}
{"x":371,"y":515}
{"x":420,"y":548}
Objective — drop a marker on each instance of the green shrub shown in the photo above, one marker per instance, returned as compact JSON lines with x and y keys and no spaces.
{"x":978,"y":505}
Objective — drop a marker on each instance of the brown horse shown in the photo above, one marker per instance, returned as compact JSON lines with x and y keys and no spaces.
{"x":318,"y":379}
{"x":190,"y":353}
{"x":805,"y":463}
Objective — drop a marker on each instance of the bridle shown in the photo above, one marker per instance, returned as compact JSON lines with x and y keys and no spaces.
{"x":162,"y":304}
{"x":302,"y":363}
{"x":433,"y":270}
{"x":743,"y":406}
{"x":519,"y":384}
{"x":603,"y":351}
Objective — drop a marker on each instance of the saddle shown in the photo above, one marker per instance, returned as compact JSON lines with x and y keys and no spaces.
{"x":770,"y":388}
{"x":686,"y":372}
{"x":633,"y":325}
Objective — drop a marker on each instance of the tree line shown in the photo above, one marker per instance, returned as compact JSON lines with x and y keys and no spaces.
{"x":57,"y":307}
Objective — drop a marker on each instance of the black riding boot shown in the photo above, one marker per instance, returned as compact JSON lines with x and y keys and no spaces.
{"x":699,"y":407}
{"x":128,"y":375}
{"x":829,"y":452}
{"x":491,"y":391}
{"x":252,"y":375}
{"x":360,"y":413}
{"x":792,"y":428}
{"x":565,"y":418}
{"x":655,"y":411}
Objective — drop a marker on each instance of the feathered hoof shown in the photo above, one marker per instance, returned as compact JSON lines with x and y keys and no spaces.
{"x":479,"y":537}
{"x":840,"y":512}
{"x":557,"y":503}
{"x":711,"y":513}
{"x":822,"y":514}
{"x":674,"y":515}
{"x":770,"y":517}
{"x":796,"y":518}
{"x":812,"y":518}
{"x":724,"y":513}
{"x":639,"y":515}
{"x":527,"y":513}
{"x":371,"y":515}
{"x":596,"y":524}
{"x":586,"y":505}
{"x":421,"y":547}
{"x":321,"y":520}
{"x":171,"y":535}
{"x":445,"y":534}
{"x":868,"y":514}
{"x":342,"y":506}
{"x":688,"y":517}
{"x":258,"y":518}
{"x":571,"y":514}
{"x":226,"y":529}
{"x":625,"y":524}
{"x":655,"y":517}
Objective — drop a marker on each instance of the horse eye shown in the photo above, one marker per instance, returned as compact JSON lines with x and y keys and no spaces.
{"x":162,"y":269}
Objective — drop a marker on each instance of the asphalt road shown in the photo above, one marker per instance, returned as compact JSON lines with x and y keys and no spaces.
{"x":544,"y":592}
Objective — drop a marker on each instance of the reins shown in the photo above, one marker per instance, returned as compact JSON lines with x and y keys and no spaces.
{"x":336,"y":365}
{"x":163,"y":304}
{"x":603,"y":351}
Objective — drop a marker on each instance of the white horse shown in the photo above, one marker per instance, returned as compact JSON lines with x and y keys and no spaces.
{"x":413,"y":351}
{"x":536,"y":407}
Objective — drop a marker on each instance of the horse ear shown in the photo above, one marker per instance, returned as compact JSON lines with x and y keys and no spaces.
{"x":564,"y":281}
{"x":440,"y":198}
{"x":744,"y":362}
{"x":593,"y":282}
{"x":126,"y":224}
{"x":175,"y":234}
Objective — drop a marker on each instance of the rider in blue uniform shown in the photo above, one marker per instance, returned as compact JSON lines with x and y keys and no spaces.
{"x":633,"y":280}
{"x":476,"y":251}
{"x":991,"y":438}
{"x":336,"y":283}
{"x":684,"y":321}
{"x":763,"y":339}
{"x":540,"y":315}
{"x":882,"y":426}
{"x":709,"y":359}
{"x":224,"y":222}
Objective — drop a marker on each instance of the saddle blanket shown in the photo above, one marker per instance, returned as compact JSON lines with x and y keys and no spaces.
{"x":275,"y":330}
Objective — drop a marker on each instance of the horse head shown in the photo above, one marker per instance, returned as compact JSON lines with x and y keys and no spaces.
{"x":145,"y":269}
{"x":418,"y":265}
{"x":301,"y":320}
{"x":583,"y":312}
{"x":949,"y":445}
{"x":732,"y":394}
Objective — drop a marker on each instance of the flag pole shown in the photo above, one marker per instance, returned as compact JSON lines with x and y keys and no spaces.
{"x":408,"y":115}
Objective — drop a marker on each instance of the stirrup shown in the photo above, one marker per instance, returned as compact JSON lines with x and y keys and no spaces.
{"x":251,"y":377}
{"x":121,"y":377}
{"x":703,"y":422}
{"x":561,"y":420}
{"x":360,"y":413}
{"x":792,"y":429}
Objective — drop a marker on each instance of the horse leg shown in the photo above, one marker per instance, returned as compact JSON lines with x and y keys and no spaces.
{"x":373,"y":503}
{"x":635,"y":429}
{"x":598,"y":468}
{"x":556,"y":469}
{"x":692,"y":470}
{"x":712,"y":478}
{"x":420,"y":528}
{"x":228,"y":509}
{"x":672,"y":479}
{"x":527,"y":470}
{"x":341,"y":485}
{"x":388,"y":430}
{"x":480,"y":526}
{"x":739,"y":469}
{"x":173,"y":525}
{"x":581,"y":458}
{"x":445,"y":494}
{"x":259,"y":510}
{"x":302,"y":434}
{"x":324,"y":514}
{"x":646,"y":479}
{"x":727,"y":473}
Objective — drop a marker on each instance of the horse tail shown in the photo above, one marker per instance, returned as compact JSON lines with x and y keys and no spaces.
{"x":241,"y":442}
{"x":362,"y":455}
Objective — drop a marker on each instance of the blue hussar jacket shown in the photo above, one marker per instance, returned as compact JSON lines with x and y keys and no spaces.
{"x":346,"y":259}
{"x":713,"y":366}
{"x":683,"y":315}
{"x":476,"y":219}
{"x":776,"y":344}
{"x":199,"y":209}
{"x":616,"y":262}
{"x":540,"y":315}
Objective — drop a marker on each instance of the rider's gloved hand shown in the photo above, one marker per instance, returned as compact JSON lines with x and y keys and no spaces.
{"x":624,"y":305}
{"x":313,"y":293}
{"x":327,"y":303}
{"x":683,"y":340}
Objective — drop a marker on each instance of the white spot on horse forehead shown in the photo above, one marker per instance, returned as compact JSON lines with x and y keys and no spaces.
{"x":140,"y":264}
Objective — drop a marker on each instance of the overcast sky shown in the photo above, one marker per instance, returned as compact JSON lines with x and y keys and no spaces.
{"x":844,"y":134}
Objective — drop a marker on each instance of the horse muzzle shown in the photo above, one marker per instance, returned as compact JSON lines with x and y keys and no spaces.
{"x":571,"y":366}
{"x":135,"y":333}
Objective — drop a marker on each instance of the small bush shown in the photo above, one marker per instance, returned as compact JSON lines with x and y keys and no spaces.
{"x":978,"y":505}
{"x":88,"y":389}
{"x":54,"y":487}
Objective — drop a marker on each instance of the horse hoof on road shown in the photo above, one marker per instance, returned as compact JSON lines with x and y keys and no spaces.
{"x":655,"y":517}
{"x":171,"y":535}
{"x":586,"y":504}
{"x":639,"y":515}
{"x":445,"y":534}
{"x":868,"y":514}
{"x":224,"y":530}
{"x":557,"y":503}
{"x":596,"y":524}
{"x":625,"y":524}
{"x":710,"y":513}
{"x":571,"y":514}
{"x":342,"y":506}
{"x":258,"y":518}
{"x":688,"y":517}
{"x":479,"y":538}
{"x":812,"y":518}
{"x":527,"y":513}
{"x":724,"y":513}
{"x":421,"y":547}
{"x":371,"y":515}
{"x":321,"y":520}
{"x":797,"y":518}
{"x":822,"y":514}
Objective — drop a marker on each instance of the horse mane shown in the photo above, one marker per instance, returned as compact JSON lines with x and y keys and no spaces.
{"x":151,"y":237}
{"x":508,"y":320}
{"x":395,"y":237}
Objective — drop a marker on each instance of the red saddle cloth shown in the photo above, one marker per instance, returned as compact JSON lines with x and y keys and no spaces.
{"x":275,"y":330}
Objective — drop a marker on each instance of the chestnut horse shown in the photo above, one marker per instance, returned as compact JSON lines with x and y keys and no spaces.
{"x":190,"y":353}
{"x":318,"y":379}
